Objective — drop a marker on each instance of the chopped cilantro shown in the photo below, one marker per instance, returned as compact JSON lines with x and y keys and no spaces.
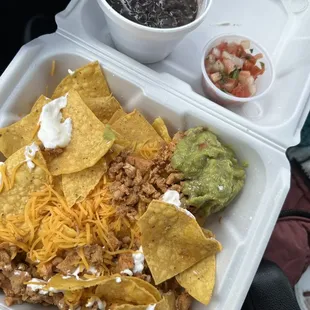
{"x":235,"y":74}
{"x":262,"y":64}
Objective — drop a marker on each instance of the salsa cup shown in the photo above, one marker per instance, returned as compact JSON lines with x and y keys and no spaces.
{"x":263,"y":82}
{"x":147,"y":44}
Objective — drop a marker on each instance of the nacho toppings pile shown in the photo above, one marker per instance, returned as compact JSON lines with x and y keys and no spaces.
{"x":100,"y":209}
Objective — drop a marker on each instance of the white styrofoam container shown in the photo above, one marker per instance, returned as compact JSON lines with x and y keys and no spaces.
{"x":282,"y":27}
{"x":246,"y":224}
{"x":147,"y":44}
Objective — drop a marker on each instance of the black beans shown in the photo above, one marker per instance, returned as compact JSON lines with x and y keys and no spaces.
{"x":157,"y":13}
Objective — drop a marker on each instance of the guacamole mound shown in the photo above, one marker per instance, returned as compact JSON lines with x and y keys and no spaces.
{"x":212,"y":174}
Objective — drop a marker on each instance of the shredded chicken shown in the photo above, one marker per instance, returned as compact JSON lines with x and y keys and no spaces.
{"x":183,"y":301}
{"x":137,"y":181}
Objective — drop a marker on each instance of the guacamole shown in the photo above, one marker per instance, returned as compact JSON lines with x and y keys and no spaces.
{"x":212,"y":174}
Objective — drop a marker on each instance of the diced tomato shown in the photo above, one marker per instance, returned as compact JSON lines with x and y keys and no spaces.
{"x":247,"y":65}
{"x":218,"y":85}
{"x":241,"y":91}
{"x":240,"y":51}
{"x":256,"y":71}
{"x":223,"y":46}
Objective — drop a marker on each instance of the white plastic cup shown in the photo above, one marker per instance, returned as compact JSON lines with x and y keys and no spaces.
{"x":147,"y":44}
{"x":263,"y":83}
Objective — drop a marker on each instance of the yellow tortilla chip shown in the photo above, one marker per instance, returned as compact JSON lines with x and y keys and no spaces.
{"x":89,"y":81}
{"x":137,"y":130}
{"x":199,"y":280}
{"x":21,"y":133}
{"x":71,"y":284}
{"x":172,"y":241}
{"x":57,"y":184}
{"x":103,"y":107}
{"x":161,"y":305}
{"x":161,"y":128}
{"x":170,"y":300}
{"x":25,"y":180}
{"x":117,"y":115}
{"x":149,"y":287}
{"x":125,"y":291}
{"x":90,"y":139}
{"x":76,"y":186}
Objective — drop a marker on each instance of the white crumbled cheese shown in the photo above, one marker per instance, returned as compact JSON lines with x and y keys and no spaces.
{"x":17,"y":272}
{"x":173,"y":197}
{"x":94,"y":271}
{"x":53,"y":133}
{"x":128,"y":272}
{"x":138,"y":259}
{"x":151,"y":307}
{"x":118,"y":280}
{"x":38,"y":286}
{"x":71,"y":72}
{"x":66,"y":277}
{"x":30,"y":152}
{"x":221,"y":188}
{"x":76,"y":273}
{"x":100,"y":303}
{"x":53,"y":290}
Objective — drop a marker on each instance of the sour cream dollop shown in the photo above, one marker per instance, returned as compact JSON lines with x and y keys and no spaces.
{"x":53,"y":133}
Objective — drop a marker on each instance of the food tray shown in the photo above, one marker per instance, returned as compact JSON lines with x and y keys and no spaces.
{"x":282,"y":27}
{"x":244,"y":228}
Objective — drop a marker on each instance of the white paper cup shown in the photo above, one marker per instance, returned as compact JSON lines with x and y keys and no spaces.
{"x":147,"y":44}
{"x":263,"y":83}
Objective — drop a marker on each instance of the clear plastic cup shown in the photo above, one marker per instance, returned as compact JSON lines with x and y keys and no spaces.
{"x":147,"y":44}
{"x":263,"y":82}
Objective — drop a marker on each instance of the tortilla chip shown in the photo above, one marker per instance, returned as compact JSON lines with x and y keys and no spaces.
{"x":137,"y":130}
{"x":77,"y":186}
{"x":170,"y":300}
{"x":161,"y":305}
{"x":90,"y":83}
{"x":117,"y":115}
{"x":26,"y":181}
{"x":149,"y":287}
{"x":161,"y":128}
{"x":103,"y":107}
{"x":90,"y":139}
{"x":172,"y":241}
{"x":21,"y":133}
{"x":199,"y":280}
{"x":124,"y":292}
{"x":71,"y":284}
{"x":57,"y":185}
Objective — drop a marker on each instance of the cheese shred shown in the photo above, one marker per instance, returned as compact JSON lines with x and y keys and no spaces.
{"x":48,"y":225}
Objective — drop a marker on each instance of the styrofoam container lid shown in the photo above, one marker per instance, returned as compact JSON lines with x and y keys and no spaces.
{"x":245,"y":226}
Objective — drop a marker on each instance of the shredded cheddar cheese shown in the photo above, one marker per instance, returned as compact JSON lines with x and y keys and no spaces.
{"x":53,"y":68}
{"x":49,"y":225}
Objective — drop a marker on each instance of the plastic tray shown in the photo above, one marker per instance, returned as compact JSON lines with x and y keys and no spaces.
{"x":282,"y":27}
{"x":246,"y":225}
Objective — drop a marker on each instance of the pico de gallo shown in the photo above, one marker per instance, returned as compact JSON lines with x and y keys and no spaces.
{"x":233,"y":68}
